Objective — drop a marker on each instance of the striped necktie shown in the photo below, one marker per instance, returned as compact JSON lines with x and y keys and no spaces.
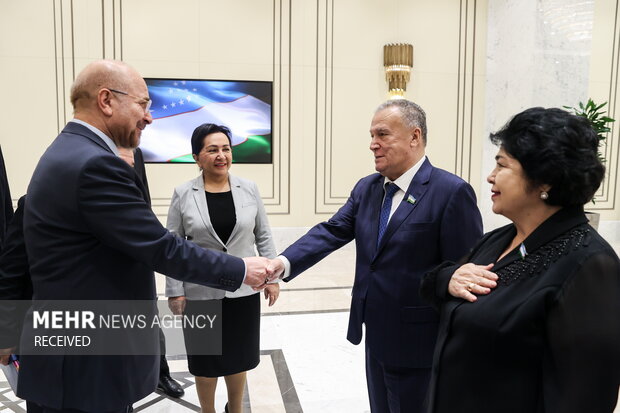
{"x":384,"y":217}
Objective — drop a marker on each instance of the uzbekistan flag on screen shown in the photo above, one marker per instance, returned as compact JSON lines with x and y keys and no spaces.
{"x":179,"y":106}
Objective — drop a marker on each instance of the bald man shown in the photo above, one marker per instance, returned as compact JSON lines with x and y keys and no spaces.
{"x":90,"y":235}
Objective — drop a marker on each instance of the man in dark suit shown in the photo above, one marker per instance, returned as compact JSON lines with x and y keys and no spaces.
{"x":405,"y":220}
{"x":90,"y":235}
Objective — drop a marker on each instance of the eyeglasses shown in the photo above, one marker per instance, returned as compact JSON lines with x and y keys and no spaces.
{"x":144,"y":102}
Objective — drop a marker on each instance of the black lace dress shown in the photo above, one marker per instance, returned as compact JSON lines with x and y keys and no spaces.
{"x":546,"y":339}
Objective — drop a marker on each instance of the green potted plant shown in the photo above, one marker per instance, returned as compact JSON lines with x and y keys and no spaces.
{"x":600,"y":123}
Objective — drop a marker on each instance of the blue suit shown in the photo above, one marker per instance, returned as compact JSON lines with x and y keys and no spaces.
{"x":443,"y":223}
{"x":90,"y":235}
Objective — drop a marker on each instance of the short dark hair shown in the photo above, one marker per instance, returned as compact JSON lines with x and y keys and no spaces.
{"x":555,"y":148}
{"x":201,"y":132}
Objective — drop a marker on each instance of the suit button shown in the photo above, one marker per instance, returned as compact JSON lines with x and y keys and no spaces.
{"x":224,"y":249}
{"x":372,"y":267}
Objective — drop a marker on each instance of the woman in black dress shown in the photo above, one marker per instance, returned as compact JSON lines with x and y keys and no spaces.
{"x":530,"y":319}
{"x":223,"y":212}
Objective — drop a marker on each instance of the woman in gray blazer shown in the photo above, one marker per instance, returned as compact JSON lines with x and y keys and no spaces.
{"x":222,"y":212}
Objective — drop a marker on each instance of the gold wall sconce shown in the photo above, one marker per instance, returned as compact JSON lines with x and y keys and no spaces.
{"x":398,"y":62}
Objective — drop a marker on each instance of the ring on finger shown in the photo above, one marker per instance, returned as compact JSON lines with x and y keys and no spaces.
{"x":470,"y":286}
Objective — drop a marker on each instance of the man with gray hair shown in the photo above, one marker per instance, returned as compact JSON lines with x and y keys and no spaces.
{"x":406,"y":219}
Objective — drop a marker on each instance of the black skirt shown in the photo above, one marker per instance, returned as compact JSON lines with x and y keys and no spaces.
{"x":240,"y":339}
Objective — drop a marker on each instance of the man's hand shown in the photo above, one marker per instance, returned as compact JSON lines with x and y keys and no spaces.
{"x":5,"y":353}
{"x":256,"y":274}
{"x":177,"y":304}
{"x":276,"y":268}
{"x":470,"y":279}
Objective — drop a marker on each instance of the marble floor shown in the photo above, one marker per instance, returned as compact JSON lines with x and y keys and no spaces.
{"x":307,"y":365}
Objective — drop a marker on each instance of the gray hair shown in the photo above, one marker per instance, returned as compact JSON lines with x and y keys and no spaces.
{"x":412,"y":115}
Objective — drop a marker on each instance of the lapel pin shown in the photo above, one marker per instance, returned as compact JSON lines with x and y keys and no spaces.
{"x":522,"y":251}
{"x":411,"y":199}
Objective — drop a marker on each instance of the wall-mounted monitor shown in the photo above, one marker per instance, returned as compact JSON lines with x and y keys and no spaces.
{"x":180,"y":105}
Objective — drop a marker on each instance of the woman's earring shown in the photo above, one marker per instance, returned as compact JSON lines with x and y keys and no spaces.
{"x":544,"y":195}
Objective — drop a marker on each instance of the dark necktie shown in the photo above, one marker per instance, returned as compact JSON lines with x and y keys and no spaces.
{"x":390,"y":190}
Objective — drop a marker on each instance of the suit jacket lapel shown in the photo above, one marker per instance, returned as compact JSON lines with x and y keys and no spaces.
{"x":376,"y":197}
{"x":235,"y":188}
{"x":77,"y":129}
{"x":203,"y":208}
{"x":417,"y":188}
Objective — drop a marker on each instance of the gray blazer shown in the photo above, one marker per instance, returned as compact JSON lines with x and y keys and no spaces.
{"x":188,"y":217}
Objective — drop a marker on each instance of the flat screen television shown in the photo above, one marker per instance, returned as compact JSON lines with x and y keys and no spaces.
{"x":180,"y":105}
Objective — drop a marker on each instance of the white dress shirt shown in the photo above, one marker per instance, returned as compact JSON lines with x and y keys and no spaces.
{"x":402,"y":182}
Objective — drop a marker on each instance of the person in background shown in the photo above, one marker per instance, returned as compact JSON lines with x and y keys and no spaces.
{"x":15,"y":284}
{"x":406,"y":219}
{"x":221,"y":212}
{"x":166,"y":383}
{"x":529,"y":319}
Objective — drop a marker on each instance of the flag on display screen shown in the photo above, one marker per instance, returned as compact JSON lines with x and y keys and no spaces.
{"x":179,"y":106}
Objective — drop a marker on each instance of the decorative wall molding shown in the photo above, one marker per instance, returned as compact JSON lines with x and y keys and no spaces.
{"x":64,"y":51}
{"x":279,"y":203}
{"x":465,"y":89}
{"x":606,"y":195}
{"x":112,"y":29}
{"x":326,"y":202}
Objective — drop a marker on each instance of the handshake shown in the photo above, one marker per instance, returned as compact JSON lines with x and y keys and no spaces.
{"x":259,"y":271}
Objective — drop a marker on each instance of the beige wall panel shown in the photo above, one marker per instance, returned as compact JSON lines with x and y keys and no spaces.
{"x":29,"y":87}
{"x":87,"y":30}
{"x":602,"y":44}
{"x":205,"y":40}
{"x":212,"y":39}
{"x":238,"y":32}
{"x":24,"y":32}
{"x":604,"y":87}
{"x":349,"y":157}
{"x":304,"y":30}
{"x":325,"y":58}
{"x":361,"y":30}
{"x":442,"y":32}
{"x":159,"y":30}
{"x":433,"y":28}
{"x":28,"y":117}
{"x":436,"y":93}
{"x":303,"y":145}
{"x":478,"y":134}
